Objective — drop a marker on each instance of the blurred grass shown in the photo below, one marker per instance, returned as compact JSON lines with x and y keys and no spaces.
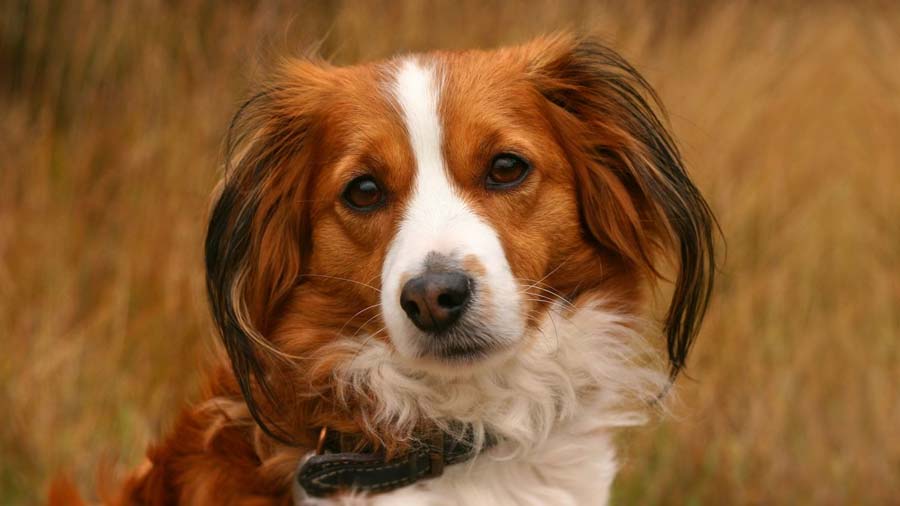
{"x":789,"y":116}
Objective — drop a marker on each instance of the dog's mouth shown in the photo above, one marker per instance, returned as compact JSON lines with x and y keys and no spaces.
{"x":461,"y":354}
{"x":462,"y":345}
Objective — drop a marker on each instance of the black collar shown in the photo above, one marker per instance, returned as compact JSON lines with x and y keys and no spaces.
{"x":334,"y":468}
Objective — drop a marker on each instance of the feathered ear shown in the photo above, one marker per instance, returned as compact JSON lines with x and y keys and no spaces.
{"x":635,"y":196}
{"x":258,"y":234}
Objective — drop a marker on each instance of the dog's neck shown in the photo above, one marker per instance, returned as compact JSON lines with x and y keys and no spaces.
{"x":552,"y":405}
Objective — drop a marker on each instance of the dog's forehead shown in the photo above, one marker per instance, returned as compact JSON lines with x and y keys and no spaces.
{"x":400,"y":119}
{"x":459,"y":98}
{"x":462,"y":80}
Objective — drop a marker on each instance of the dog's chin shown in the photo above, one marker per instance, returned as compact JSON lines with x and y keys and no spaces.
{"x":461,"y":356}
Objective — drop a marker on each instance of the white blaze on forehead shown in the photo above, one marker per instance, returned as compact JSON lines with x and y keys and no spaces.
{"x":434,"y":202}
{"x":417,"y":93}
{"x":437,"y":219}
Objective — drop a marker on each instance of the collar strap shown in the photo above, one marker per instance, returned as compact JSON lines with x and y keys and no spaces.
{"x":327,"y":473}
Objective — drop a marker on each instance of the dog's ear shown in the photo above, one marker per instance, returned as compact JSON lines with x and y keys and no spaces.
{"x":258,"y":236}
{"x":635,"y":196}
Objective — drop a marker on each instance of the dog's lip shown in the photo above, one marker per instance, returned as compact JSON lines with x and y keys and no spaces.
{"x":465,"y":353}
{"x":466,"y":343}
{"x":460,"y":353}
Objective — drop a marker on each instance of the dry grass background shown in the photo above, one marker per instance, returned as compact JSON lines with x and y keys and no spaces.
{"x":789,"y":115}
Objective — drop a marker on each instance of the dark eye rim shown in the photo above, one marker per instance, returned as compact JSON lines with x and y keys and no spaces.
{"x":345,"y":195}
{"x":493,"y":185}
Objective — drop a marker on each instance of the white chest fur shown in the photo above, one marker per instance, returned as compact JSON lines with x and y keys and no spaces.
{"x":574,"y":466}
{"x":555,"y":406}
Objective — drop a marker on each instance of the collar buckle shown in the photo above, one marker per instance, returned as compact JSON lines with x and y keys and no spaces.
{"x":320,"y":446}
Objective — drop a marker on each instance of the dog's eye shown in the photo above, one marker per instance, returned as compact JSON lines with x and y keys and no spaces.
{"x":363,"y":194}
{"x":507,"y":171}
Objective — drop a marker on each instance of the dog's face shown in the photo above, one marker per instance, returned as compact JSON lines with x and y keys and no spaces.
{"x":442,"y":203}
{"x":455,"y":207}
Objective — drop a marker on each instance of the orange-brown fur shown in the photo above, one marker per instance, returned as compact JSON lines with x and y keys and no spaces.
{"x":313,"y":267}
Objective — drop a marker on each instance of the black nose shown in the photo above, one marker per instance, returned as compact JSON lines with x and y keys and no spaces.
{"x":435,"y":300}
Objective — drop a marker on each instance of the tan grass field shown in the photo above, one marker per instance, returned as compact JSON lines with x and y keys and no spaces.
{"x":111,"y":120}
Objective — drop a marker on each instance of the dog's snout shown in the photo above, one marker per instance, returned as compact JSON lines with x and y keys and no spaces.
{"x":435,"y":300}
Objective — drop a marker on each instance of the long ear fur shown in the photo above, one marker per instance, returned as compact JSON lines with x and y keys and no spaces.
{"x":636,"y":197}
{"x":257,"y":236}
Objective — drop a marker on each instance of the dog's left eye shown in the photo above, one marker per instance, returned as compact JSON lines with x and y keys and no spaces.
{"x":363,"y":194}
{"x":507,"y":171}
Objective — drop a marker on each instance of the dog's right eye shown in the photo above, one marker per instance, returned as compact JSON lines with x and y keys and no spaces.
{"x":363,"y":194}
{"x":507,"y":171}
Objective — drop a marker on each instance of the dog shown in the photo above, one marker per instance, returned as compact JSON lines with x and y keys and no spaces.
{"x":431,"y":277}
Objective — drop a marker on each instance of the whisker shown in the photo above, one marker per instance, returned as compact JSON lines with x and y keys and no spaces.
{"x":553,"y":300}
{"x":341,"y":279}
{"x":546,"y":288}
{"x":555,"y":328}
{"x":537,"y":316}
{"x":361,"y":327}
{"x":538,"y":297}
{"x":362,"y":346}
{"x":550,"y":290}
{"x":558,"y":267}
{"x":354,"y":316}
{"x":538,"y":285}
{"x":553,"y":296}
{"x":373,"y":278}
{"x":538,"y":313}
